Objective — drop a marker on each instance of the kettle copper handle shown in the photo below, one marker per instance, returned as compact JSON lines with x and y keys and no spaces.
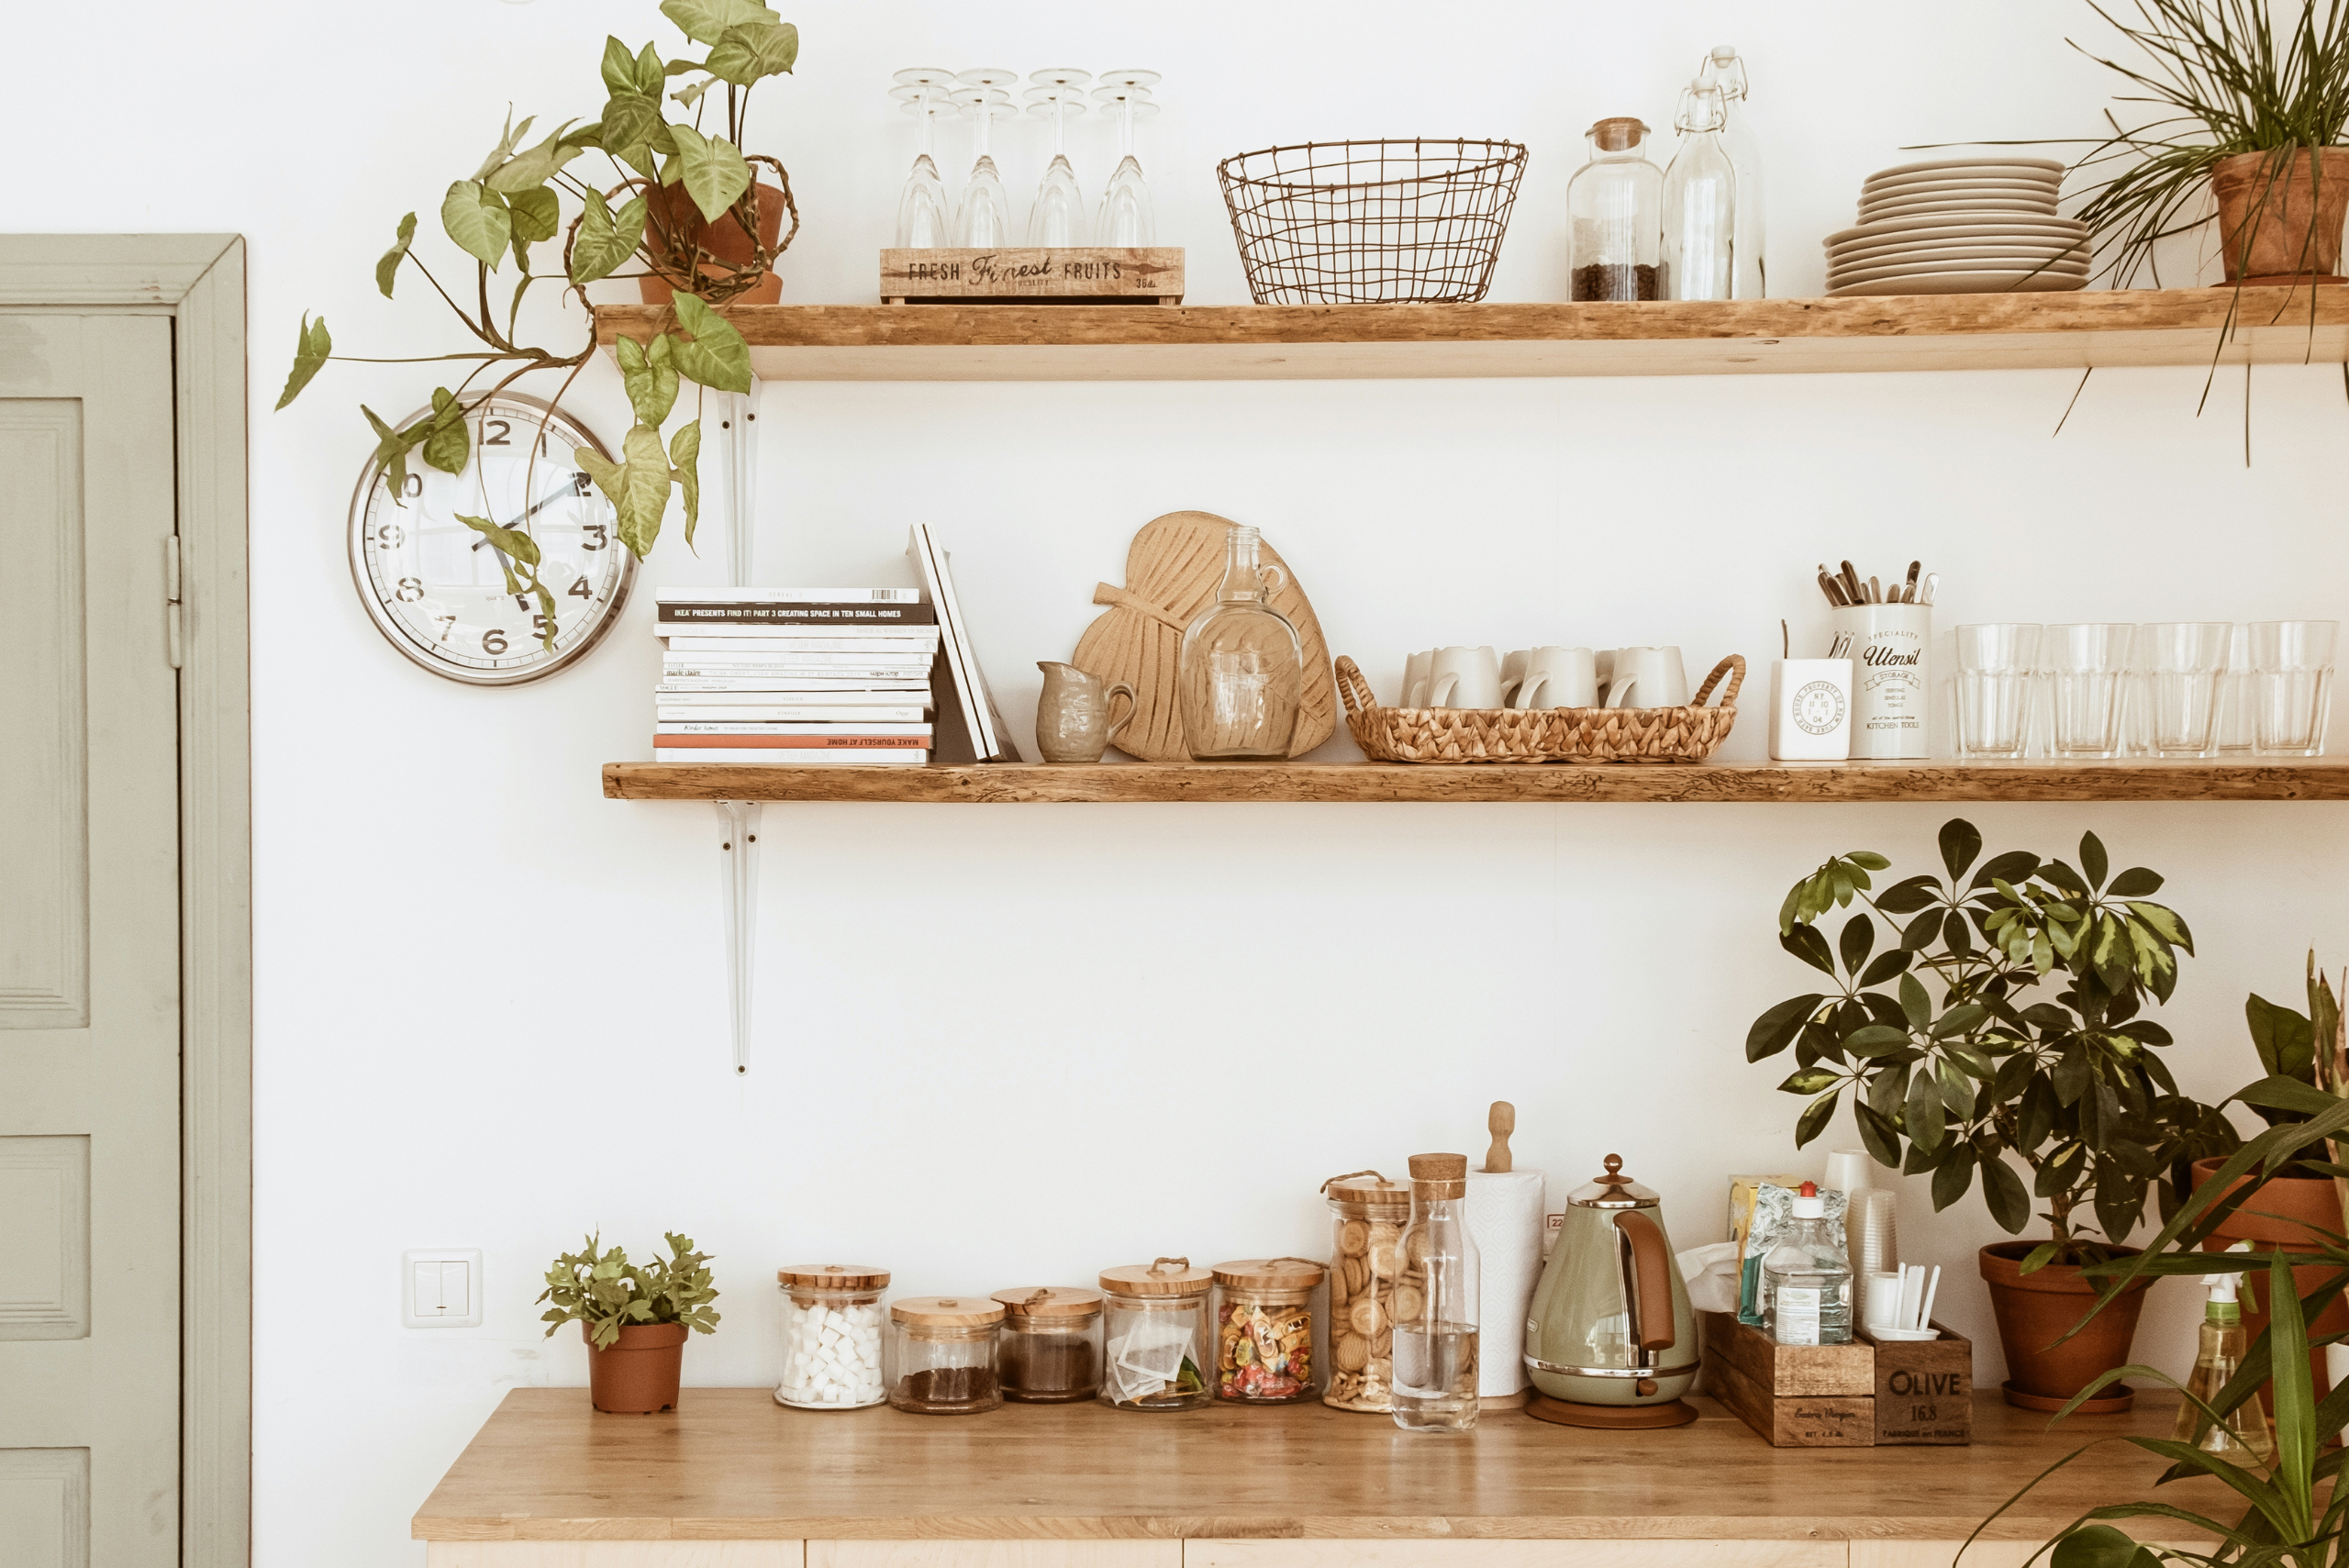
{"x":1651,"y":1303}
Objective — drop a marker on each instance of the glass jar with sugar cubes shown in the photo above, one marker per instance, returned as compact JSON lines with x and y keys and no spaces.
{"x":1159,"y":1346}
{"x":832,"y":1336}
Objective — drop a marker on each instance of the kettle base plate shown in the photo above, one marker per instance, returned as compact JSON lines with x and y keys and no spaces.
{"x":1610,"y":1417}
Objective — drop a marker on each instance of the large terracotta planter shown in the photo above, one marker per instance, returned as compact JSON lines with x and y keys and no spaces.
{"x":2283,"y":1212}
{"x":724,"y":241}
{"x":638,"y":1374}
{"x":2035,"y":1311}
{"x":2280,"y":213}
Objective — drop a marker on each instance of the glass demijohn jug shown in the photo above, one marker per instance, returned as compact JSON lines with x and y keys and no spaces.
{"x":1700,"y":202}
{"x":1616,"y":206}
{"x":1243,"y":670}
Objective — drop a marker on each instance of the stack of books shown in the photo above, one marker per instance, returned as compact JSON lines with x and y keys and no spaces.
{"x":806,"y":677}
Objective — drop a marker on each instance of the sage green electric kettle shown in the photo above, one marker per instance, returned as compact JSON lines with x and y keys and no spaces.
{"x":1611,"y":1340}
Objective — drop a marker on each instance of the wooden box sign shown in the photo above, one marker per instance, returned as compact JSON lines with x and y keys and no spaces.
{"x":1077,"y":276}
{"x":1794,"y":1396}
{"x":1924,"y":1390}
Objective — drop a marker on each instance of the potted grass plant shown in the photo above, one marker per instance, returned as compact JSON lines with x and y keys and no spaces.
{"x":2033,"y":1049}
{"x":634,"y":1318}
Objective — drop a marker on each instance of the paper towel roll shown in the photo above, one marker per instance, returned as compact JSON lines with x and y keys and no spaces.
{"x":1504,"y":1211}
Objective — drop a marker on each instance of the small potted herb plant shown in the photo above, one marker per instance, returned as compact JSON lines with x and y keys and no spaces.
{"x":634,"y":1318}
{"x":2033,"y":1048}
{"x":2300,"y":1203}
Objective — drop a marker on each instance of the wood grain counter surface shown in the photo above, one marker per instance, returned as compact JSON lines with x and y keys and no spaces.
{"x":731,"y":1464}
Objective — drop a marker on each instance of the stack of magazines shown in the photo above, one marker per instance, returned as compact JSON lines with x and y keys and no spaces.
{"x":808,"y":677}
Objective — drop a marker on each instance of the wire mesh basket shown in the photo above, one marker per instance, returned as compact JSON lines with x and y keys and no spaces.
{"x":1372,"y":222}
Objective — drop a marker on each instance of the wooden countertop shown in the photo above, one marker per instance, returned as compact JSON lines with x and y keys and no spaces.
{"x":732,"y":1465}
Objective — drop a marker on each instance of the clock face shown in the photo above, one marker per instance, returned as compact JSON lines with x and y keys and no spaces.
{"x":436,"y":588}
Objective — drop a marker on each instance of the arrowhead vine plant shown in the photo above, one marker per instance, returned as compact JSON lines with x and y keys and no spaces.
{"x":2033,"y":1046}
{"x":518,"y":198}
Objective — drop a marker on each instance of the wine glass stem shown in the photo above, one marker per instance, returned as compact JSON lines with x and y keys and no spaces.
{"x":1060,"y":126}
{"x":922,"y":125}
{"x":986,"y":124}
{"x":1124,"y":127}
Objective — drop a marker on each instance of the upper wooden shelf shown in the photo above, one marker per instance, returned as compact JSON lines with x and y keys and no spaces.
{"x":1025,"y":783}
{"x":1252,"y":342}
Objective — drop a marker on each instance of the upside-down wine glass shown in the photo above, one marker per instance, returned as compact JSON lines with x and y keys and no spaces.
{"x":984,"y":218}
{"x":1126,"y":216}
{"x":925,"y":215}
{"x":1058,"y":218}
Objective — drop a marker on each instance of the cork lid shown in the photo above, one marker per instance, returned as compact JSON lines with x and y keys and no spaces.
{"x":1270,"y":1273}
{"x":1368,"y":1189}
{"x":1049,"y":1300}
{"x":834,"y":1276}
{"x":1439,"y":1175}
{"x":1620,"y":134}
{"x":1166,"y":1276}
{"x":946,"y":1311}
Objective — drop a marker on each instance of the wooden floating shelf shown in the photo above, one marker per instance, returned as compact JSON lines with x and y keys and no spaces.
{"x":1031,"y":783}
{"x":1252,"y":342}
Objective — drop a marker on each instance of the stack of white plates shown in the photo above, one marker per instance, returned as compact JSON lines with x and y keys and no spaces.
{"x":1960,"y":226}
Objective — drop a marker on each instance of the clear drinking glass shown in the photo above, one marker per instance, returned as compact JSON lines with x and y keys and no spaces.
{"x":1127,"y":218}
{"x":2086,"y":667}
{"x":925,"y":215}
{"x":1240,"y":676}
{"x":2178,"y":666}
{"x":1724,"y":68}
{"x":2235,"y":729}
{"x":1701,"y":203}
{"x":1994,"y":665}
{"x":1059,"y":217}
{"x":2291,"y":664}
{"x":1615,"y":208}
{"x":985,"y":220}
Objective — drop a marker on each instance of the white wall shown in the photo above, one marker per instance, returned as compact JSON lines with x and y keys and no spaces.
{"x":1011,"y":1046}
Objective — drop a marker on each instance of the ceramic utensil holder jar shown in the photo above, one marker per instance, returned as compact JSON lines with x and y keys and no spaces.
{"x":832,"y":1336}
{"x":1889,"y":646}
{"x":1159,"y":1339}
{"x":1051,"y":1352}
{"x":1811,"y":710}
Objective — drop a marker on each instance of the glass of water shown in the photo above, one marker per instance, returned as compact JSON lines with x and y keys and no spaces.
{"x":2179,"y":665}
{"x":1994,"y":684}
{"x":2086,"y":666}
{"x":2291,"y":664}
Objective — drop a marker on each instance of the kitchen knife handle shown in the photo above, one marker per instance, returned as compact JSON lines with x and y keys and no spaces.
{"x":1651,"y":1279}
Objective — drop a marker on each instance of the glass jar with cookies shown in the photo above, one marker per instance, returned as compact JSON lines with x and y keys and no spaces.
{"x":1368,"y":1277}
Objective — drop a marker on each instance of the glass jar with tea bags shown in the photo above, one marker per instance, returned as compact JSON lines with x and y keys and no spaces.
{"x":1158,"y":1344}
{"x":1240,"y":678}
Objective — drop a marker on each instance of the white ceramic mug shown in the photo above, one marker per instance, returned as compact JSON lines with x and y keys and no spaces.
{"x":1558,"y":677}
{"x":1465,"y":677}
{"x":1513,"y":674}
{"x":1415,"y":679}
{"x":1648,"y":677}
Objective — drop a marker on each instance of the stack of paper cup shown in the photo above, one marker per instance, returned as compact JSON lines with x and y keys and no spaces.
{"x":1847,"y":1173}
{"x":1878,"y":1253}
{"x":1504,"y":1212}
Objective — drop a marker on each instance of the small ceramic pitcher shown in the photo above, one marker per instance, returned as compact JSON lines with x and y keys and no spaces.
{"x":1073,"y":715}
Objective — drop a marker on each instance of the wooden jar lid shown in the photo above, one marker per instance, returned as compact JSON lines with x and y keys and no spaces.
{"x":946,"y":1311}
{"x":834,"y":1276}
{"x":1439,"y":1175}
{"x":1270,"y":1273}
{"x":1369,"y":1191}
{"x":1049,"y":1300}
{"x":1167,"y":1276}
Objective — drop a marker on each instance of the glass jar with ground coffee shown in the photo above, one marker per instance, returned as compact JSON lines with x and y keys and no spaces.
{"x":942,"y":1354}
{"x":1367,"y":1214}
{"x":1155,"y":1324}
{"x":1615,"y":209}
{"x":1263,"y":1329}
{"x":1052,"y":1344}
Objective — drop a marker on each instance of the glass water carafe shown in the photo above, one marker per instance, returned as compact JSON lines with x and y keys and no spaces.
{"x":1435,"y":1327}
{"x":1243,"y":670}
{"x":1724,"y":70}
{"x":1701,"y":203}
{"x":1614,"y":204}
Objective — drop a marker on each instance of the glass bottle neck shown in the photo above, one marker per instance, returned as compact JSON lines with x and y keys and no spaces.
{"x":1243,"y":577}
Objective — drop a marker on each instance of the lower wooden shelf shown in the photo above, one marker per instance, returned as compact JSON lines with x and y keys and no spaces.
{"x":1032,"y":784}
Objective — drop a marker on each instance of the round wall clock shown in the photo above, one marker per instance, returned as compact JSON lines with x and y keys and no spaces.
{"x":436,"y":588}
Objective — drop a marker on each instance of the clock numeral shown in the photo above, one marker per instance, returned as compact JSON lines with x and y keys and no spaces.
{"x":448,"y":625}
{"x":601,"y":532}
{"x":415,"y":485}
{"x":390,"y":536}
{"x":580,"y":482}
{"x":579,"y":589}
{"x":410,"y":590}
{"x":503,"y":426}
{"x":493,"y":640}
{"x":522,"y":602}
{"x":542,"y":627}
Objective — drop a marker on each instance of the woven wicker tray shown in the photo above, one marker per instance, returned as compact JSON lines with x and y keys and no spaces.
{"x":1687,"y":734}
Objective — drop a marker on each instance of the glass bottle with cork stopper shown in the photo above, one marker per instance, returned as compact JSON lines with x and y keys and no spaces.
{"x":1367,"y":1214}
{"x":1240,"y":676}
{"x":1155,"y":1320}
{"x":1435,"y":1349}
{"x":1052,"y":1344}
{"x":1263,"y":1330}
{"x":832,"y":1336}
{"x":1614,"y":207}
{"x":942,"y":1354}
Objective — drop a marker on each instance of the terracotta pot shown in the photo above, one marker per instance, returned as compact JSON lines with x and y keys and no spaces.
{"x":2280,"y":213}
{"x":2034,"y":1311}
{"x":638,"y":1374}
{"x":2282,"y":1213}
{"x":724,"y":241}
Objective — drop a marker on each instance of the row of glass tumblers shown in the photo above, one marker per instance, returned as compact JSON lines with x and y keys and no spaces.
{"x":2163,"y":689}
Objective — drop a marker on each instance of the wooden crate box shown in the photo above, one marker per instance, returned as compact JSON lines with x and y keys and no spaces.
{"x":1924,"y":1390}
{"x":1794,"y":1396}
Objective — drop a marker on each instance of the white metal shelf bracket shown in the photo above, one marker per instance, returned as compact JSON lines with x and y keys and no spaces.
{"x":738,"y":876}
{"x":738,"y":432}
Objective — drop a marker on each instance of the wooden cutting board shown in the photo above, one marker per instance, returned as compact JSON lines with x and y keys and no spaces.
{"x":1173,"y":570}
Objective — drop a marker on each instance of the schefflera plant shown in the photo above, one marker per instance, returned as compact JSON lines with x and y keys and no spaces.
{"x":2035,"y":1046}
{"x":517,"y":197}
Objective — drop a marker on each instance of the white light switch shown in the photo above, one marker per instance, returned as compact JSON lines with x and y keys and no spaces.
{"x":440,"y":1288}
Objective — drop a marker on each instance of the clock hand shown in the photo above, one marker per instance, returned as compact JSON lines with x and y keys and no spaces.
{"x":568,"y":490}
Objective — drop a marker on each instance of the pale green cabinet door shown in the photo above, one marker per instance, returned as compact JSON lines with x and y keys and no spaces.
{"x":89,"y":947}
